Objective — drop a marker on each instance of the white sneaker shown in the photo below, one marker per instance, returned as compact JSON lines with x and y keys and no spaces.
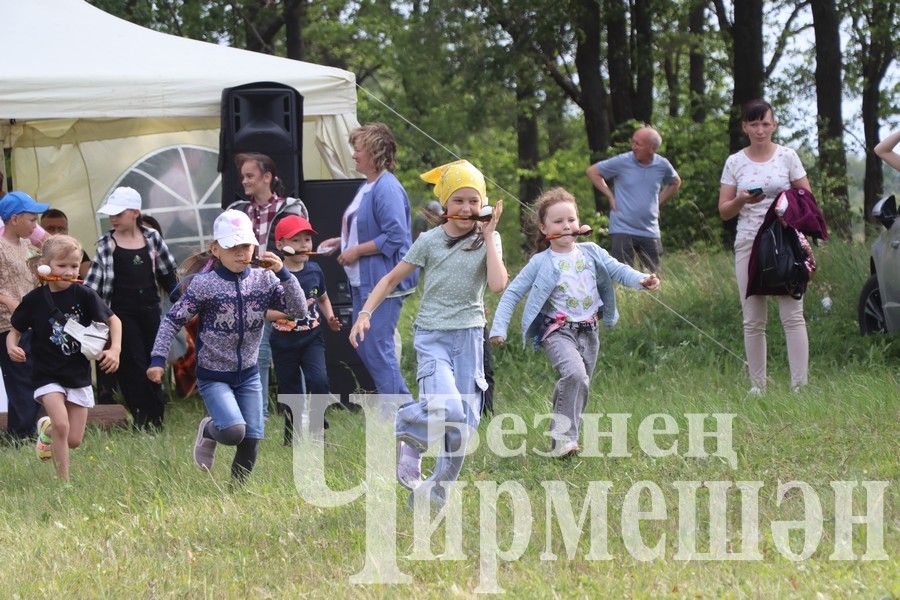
{"x":756,"y":391}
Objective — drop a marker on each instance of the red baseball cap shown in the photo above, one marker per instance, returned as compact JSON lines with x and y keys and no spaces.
{"x":290,"y":226}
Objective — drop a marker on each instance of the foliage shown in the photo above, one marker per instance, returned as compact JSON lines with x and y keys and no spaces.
{"x":454,"y":68}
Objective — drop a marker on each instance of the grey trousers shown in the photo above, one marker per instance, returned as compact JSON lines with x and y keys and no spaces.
{"x":574,"y":356}
{"x":648,"y":250}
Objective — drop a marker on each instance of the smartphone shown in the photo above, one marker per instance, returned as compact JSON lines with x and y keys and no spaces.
{"x":755,"y":191}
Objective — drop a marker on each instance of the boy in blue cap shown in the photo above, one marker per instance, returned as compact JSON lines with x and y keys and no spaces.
{"x":19,"y":213}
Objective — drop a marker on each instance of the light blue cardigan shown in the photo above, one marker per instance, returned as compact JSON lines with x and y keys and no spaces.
{"x":539,"y":279}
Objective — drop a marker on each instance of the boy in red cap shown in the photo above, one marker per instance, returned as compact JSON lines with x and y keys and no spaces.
{"x":298,"y":349}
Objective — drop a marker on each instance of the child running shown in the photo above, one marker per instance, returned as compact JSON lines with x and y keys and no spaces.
{"x":567,"y":284}
{"x":61,"y":373}
{"x":458,"y":259}
{"x":298,"y":348}
{"x":231,"y":301}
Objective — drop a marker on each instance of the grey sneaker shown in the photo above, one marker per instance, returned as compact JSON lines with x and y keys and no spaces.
{"x":409,"y":471}
{"x":204,"y":448}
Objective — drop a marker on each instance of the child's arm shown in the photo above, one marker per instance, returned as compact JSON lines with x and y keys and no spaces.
{"x":290,"y":297}
{"x":109,"y":358}
{"x":325,"y":308}
{"x":384,"y":287}
{"x":511,"y":297}
{"x":625,"y":275}
{"x":16,"y":354}
{"x":276,"y":315}
{"x":497,"y":277}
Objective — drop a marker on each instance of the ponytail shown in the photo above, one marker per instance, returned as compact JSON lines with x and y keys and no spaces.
{"x":278,"y":186}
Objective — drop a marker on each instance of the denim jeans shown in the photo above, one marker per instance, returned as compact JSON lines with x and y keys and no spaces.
{"x":451,"y":383}
{"x":377,"y":351}
{"x":300,"y":357}
{"x":235,"y":404}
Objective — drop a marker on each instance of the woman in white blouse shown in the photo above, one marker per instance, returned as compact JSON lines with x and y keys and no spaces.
{"x":751,"y":180}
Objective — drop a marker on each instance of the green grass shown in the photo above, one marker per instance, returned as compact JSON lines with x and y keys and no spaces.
{"x":140,"y":521}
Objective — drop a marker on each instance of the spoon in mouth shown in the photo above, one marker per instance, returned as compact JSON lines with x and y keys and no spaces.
{"x":583,"y":230}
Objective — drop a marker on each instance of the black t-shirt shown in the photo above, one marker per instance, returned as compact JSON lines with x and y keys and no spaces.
{"x":312,"y":280}
{"x":133,"y":269}
{"x":57,"y":358}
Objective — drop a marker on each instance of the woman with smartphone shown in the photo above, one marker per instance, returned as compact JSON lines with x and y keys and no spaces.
{"x":751,"y":180}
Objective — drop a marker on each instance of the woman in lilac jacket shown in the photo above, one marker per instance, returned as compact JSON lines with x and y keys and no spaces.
{"x":375,"y":235}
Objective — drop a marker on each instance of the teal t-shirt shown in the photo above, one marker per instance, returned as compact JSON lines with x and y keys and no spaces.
{"x":454,"y":280}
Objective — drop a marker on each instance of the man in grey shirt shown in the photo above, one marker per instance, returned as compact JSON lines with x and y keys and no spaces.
{"x":638,"y":178}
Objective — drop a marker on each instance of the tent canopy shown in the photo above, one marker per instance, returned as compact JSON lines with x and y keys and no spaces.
{"x":89,"y":101}
{"x":68,"y":59}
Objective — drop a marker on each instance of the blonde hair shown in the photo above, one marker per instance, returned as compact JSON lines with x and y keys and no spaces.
{"x":543,"y":203}
{"x":60,"y":246}
{"x":379,"y":142}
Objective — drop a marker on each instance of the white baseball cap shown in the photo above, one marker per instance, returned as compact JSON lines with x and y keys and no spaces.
{"x":233,"y":228}
{"x":121,"y":199}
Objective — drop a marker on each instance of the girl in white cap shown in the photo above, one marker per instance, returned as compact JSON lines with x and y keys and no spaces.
{"x":131,"y":260}
{"x":231,"y":300}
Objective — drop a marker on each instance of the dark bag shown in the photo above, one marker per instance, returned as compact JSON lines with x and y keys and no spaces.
{"x":781,"y":260}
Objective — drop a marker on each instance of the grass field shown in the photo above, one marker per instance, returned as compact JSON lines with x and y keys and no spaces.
{"x":138,"y":519}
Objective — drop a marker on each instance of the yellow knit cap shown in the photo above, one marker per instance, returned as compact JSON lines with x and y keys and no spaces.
{"x":453,"y":176}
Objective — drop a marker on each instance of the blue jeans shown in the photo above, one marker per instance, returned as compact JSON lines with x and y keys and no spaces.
{"x":264,"y":362}
{"x":300,"y":357}
{"x":377,"y":350}
{"x":235,"y":404}
{"x":451,"y":383}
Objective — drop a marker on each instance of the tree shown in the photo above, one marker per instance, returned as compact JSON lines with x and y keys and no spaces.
{"x":873,"y":26}
{"x":744,"y":35}
{"x":832,"y":156}
{"x":697,"y":74}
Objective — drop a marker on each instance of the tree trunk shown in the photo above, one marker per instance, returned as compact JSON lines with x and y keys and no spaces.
{"x":294,"y":20}
{"x":593,"y":92}
{"x":621,"y":92}
{"x":832,"y":157}
{"x":670,"y":67}
{"x":696,"y":72}
{"x":873,"y":185}
{"x":643,"y":61}
{"x":530,"y":182}
{"x":748,"y":70}
{"x":876,"y":58}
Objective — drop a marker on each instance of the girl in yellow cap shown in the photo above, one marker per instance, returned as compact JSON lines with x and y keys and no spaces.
{"x":458,"y":259}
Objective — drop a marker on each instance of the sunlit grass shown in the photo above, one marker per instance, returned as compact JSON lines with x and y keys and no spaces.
{"x":140,"y":521}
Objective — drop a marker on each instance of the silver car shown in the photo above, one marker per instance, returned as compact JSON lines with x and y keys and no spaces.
{"x":879,"y":301}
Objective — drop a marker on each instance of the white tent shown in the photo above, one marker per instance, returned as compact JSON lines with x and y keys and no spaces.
{"x":89,"y":101}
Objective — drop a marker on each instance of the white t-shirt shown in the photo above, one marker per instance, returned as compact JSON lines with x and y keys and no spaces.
{"x":349,"y":233}
{"x":773,"y":176}
{"x":575,"y":294}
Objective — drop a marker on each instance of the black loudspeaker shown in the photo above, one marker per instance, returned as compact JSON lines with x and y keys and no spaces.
{"x":326,"y":201}
{"x":266,"y":118}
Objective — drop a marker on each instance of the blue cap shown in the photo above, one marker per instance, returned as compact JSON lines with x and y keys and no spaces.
{"x":15,"y":203}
